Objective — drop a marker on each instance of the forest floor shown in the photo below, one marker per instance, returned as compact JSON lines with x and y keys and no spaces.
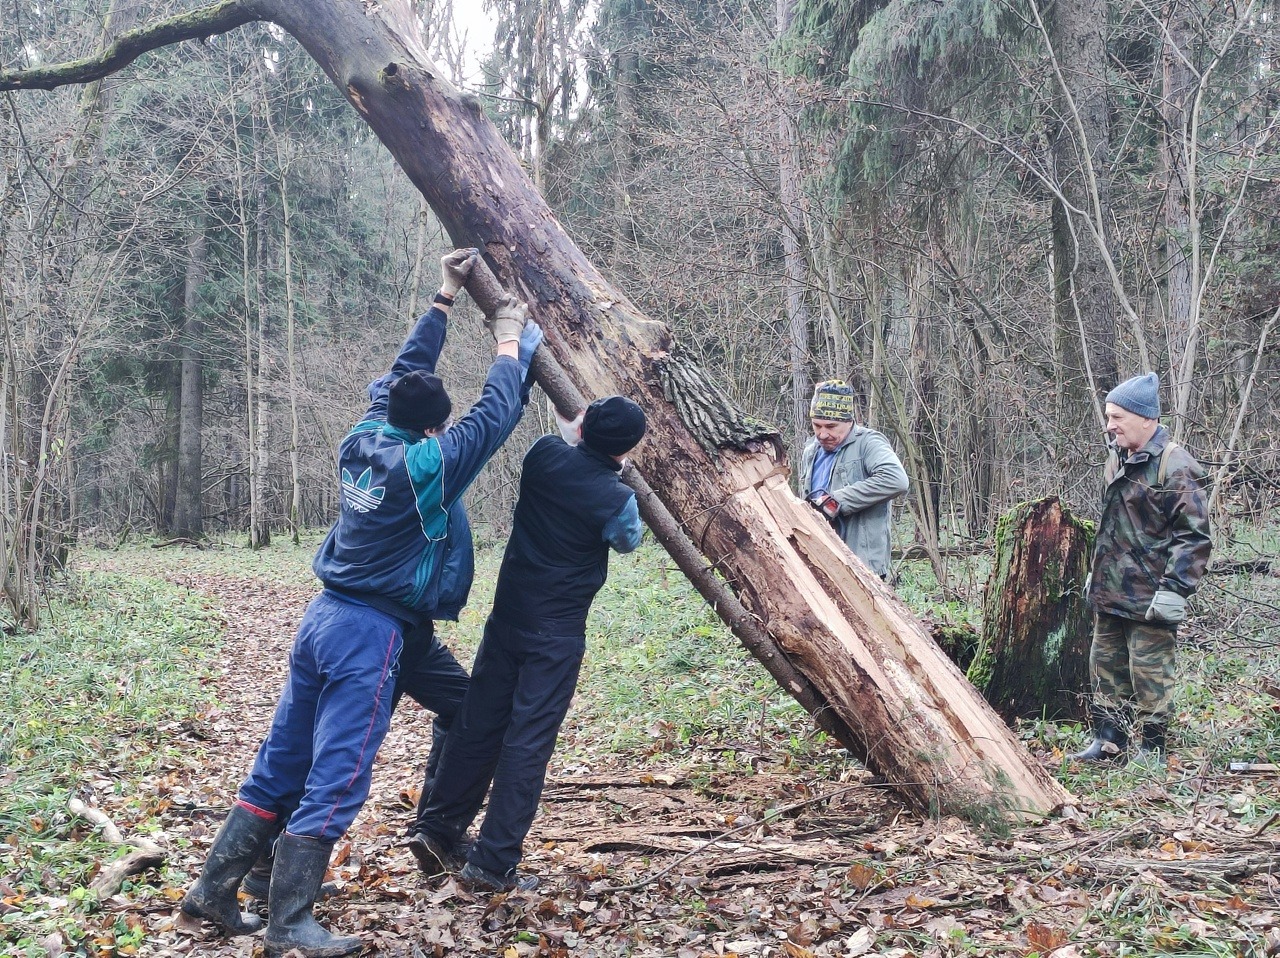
{"x":694,"y":846}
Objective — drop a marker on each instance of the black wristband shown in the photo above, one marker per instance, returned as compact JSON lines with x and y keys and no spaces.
{"x":443,"y":299}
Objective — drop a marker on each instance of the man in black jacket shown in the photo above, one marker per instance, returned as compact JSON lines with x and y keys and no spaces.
{"x":573,"y":507}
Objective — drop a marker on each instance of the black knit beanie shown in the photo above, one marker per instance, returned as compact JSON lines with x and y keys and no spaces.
{"x":613,"y":425}
{"x":418,"y":402}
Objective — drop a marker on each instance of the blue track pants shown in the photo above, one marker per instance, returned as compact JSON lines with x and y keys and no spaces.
{"x":332,"y":717}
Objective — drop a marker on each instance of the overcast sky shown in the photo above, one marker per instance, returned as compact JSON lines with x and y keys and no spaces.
{"x":477,"y":25}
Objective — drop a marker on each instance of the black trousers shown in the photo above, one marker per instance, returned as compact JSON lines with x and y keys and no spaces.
{"x":432,"y":677}
{"x":521,"y":685}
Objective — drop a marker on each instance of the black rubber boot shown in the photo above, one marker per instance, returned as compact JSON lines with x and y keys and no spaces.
{"x":1109,"y":739}
{"x":1153,"y":750}
{"x":241,"y":839}
{"x":299,"y":870}
{"x":257,"y":884}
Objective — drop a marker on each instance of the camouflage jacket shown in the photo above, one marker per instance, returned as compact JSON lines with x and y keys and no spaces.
{"x":1153,"y":534}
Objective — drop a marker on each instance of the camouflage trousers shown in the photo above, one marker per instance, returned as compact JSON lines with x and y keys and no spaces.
{"x":1131,"y":664}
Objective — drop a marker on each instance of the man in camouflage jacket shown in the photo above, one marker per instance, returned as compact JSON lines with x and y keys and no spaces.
{"x":1152,"y":548}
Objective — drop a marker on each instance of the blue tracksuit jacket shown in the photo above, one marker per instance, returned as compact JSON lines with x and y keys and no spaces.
{"x":401,"y":543}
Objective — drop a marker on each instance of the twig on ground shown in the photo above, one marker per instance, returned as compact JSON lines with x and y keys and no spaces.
{"x":816,"y":800}
{"x":1264,"y":826}
{"x":147,"y":853}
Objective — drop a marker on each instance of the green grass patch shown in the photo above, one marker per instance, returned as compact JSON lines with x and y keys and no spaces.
{"x":665,"y":680}
{"x":87,"y":705}
{"x":92,"y":701}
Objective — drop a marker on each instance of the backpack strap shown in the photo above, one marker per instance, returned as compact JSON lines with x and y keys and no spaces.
{"x":1112,"y":468}
{"x":1163,"y":469}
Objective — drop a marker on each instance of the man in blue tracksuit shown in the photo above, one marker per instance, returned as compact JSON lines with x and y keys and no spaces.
{"x":394,"y":557}
{"x":573,"y":507}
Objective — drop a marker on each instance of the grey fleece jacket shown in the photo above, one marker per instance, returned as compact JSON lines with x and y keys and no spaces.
{"x":865,"y":477}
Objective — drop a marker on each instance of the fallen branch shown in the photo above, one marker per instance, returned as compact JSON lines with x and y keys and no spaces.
{"x":960,"y":550}
{"x":754,"y":823}
{"x":147,"y":854}
{"x":179,"y":541}
{"x":1253,"y":566}
{"x":1222,"y":873}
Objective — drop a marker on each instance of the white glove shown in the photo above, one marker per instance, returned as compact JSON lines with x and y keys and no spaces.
{"x":455,"y":267}
{"x":1167,"y":606}
{"x":570,"y":429}
{"x":507,"y":321}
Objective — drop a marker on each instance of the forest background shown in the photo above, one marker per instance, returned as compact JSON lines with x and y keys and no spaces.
{"x":980,"y":214}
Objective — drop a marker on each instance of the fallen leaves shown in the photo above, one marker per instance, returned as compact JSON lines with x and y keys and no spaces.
{"x":853,"y":876}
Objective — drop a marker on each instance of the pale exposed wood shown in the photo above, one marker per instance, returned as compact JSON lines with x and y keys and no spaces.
{"x":96,"y":817}
{"x":146,"y":854}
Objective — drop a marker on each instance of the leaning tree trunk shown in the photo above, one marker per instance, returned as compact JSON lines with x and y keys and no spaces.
{"x":1033,"y":658}
{"x":917,"y":721}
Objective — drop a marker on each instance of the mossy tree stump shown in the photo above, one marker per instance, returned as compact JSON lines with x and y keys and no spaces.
{"x":1033,"y":656}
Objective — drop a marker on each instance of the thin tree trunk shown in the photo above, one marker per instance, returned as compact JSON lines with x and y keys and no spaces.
{"x":1085,"y":303}
{"x":921,"y":399}
{"x":188,"y":514}
{"x":419,"y":255}
{"x":795,"y":267}
{"x":259,"y":447}
{"x":248,"y":310}
{"x":626,"y":78}
{"x":290,"y":314}
{"x":1175,"y":111}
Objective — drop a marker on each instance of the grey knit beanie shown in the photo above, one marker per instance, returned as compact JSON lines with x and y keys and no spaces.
{"x":1140,"y":395}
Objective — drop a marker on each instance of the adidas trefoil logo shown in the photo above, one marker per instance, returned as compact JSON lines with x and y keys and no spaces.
{"x":359,"y":496}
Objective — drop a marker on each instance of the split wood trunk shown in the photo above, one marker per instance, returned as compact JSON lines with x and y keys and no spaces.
{"x":720,"y":474}
{"x":1033,"y":658}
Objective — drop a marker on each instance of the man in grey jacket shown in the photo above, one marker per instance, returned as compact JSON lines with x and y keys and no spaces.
{"x":850,"y":473}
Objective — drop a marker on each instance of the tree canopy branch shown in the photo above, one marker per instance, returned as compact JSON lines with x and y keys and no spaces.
{"x":196,"y":24}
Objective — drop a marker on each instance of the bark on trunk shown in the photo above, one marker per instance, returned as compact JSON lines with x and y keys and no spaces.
{"x":1181,"y":212}
{"x":1085,"y":303}
{"x":188,"y":512}
{"x":1033,"y":658}
{"x":792,"y":217}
